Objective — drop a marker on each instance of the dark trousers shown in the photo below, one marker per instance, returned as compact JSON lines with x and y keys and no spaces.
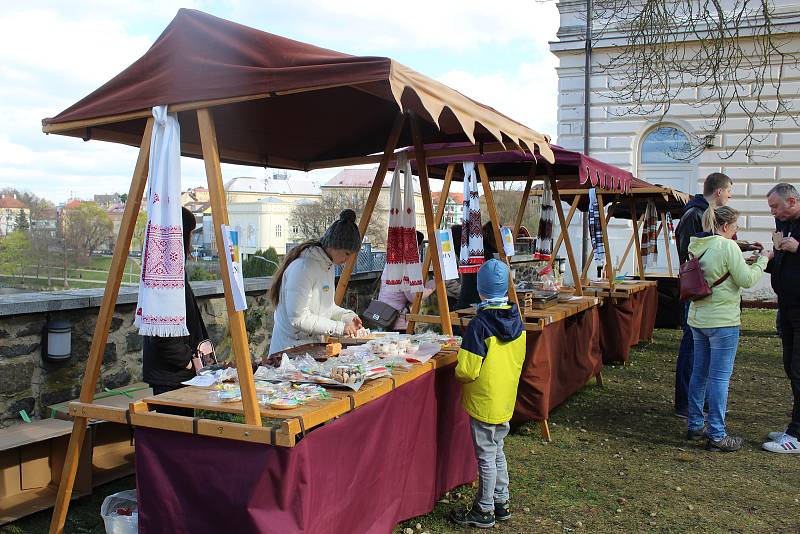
{"x":171,"y":410}
{"x":790,"y":336}
{"x":683,"y":365}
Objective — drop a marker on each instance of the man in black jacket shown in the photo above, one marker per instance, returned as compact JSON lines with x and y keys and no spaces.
{"x":784,"y":268}
{"x":167,"y":361}
{"x":716,"y":192}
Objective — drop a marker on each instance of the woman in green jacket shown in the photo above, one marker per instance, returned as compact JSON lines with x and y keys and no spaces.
{"x":715,"y":324}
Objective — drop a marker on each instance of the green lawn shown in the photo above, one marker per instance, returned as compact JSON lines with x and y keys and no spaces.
{"x":618,"y":462}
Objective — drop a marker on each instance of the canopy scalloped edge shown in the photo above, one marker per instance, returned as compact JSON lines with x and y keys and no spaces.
{"x":436,"y":96}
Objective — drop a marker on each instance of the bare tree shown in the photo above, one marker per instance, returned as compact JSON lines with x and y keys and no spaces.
{"x":86,"y":227}
{"x":729,"y":57}
{"x":313,"y":218}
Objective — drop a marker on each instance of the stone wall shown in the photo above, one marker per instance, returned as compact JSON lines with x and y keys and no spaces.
{"x":29,"y":383}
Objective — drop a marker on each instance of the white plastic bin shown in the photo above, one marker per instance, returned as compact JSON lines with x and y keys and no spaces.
{"x":116,"y":523}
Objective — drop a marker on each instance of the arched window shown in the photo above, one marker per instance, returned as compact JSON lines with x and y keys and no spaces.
{"x":666,"y":144}
{"x":278,"y":230}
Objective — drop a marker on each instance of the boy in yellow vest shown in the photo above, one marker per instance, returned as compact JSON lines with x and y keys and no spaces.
{"x":489,"y":365}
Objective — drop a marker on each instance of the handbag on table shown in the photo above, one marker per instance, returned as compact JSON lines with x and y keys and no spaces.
{"x":379,"y":315}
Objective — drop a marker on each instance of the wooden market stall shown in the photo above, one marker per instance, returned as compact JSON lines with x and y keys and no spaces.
{"x":247,"y":97}
{"x":630,"y":303}
{"x":563,"y":350}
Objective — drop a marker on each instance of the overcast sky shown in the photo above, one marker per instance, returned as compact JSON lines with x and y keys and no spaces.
{"x":53,"y":53}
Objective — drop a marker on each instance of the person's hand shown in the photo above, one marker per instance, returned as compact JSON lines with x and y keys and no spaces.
{"x":758,"y":246}
{"x":770,"y":255}
{"x":357,"y":322}
{"x":789,"y":244}
{"x":350,"y":329}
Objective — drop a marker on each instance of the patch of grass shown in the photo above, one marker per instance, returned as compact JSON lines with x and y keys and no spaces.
{"x":618,"y":462}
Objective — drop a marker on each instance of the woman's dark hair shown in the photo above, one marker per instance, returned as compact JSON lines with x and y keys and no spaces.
{"x":277,"y":278}
{"x":189,"y":224}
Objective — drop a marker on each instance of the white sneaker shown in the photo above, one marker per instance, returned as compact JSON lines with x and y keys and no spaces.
{"x":776,"y":436}
{"x":786,"y":445}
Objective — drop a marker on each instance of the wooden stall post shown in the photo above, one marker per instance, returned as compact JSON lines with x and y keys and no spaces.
{"x":498,"y":240}
{"x":524,"y":203}
{"x":604,"y":230}
{"x":564,"y":231}
{"x":101,"y":329}
{"x":432,"y":244}
{"x":560,"y":237}
{"x":636,"y":241}
{"x":372,"y":199}
{"x":219,"y":214}
{"x":630,"y":242}
{"x":425,"y":189}
{"x":666,"y":242}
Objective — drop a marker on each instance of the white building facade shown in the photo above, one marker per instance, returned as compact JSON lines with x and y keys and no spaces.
{"x":637,"y":143}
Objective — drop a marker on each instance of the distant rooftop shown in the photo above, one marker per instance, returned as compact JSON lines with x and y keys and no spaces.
{"x":362,"y":178}
{"x":246,"y":184}
{"x":11,"y":203}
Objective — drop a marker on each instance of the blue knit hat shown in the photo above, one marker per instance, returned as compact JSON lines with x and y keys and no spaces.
{"x":493,"y":279}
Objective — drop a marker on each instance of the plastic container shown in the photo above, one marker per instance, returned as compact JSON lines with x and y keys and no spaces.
{"x":115,"y":509}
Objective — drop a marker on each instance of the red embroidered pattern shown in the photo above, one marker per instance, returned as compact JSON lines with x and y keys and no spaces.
{"x":161,"y":320}
{"x":163,"y":257}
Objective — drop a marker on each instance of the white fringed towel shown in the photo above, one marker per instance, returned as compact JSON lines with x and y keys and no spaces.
{"x":403,"y":270}
{"x":471,"y":255}
{"x":161,"y":310}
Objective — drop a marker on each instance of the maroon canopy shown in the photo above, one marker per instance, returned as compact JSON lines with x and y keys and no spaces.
{"x":516,"y":165}
{"x":279,"y":102}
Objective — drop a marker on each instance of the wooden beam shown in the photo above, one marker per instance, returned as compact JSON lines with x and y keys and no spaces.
{"x":372,"y":199}
{"x":524,"y":203}
{"x":604,"y":230}
{"x":636,"y":241}
{"x":498,"y":240}
{"x":432,"y":243}
{"x":565,"y":232}
{"x":666,"y":242}
{"x":628,"y":248}
{"x":425,"y":189}
{"x":560,"y":238}
{"x":219,"y":214}
{"x":102,"y":327}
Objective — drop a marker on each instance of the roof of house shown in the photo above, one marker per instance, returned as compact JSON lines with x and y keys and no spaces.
{"x":458,"y":198}
{"x":74,"y":203}
{"x":12,"y":203}
{"x":247,"y":184}
{"x":362,"y":178}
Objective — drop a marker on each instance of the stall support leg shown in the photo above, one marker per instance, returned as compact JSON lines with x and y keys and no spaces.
{"x":560,"y":238}
{"x":630,"y":241}
{"x":545,"y":430}
{"x":666,"y":242}
{"x":599,"y":379}
{"x":487,"y":193}
{"x":524,"y":203}
{"x":372,"y":199}
{"x":101,"y":329}
{"x":425,"y":189}
{"x":432,"y":244}
{"x":219,"y":214}
{"x":636,"y":241}
{"x":604,"y":229}
{"x":565,"y":232}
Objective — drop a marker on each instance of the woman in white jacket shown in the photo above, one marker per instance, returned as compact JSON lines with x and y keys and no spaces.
{"x":303,"y":288}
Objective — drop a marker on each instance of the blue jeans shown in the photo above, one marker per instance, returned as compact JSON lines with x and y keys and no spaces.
{"x":684,"y":364}
{"x":714,"y":354}
{"x":492,"y":468}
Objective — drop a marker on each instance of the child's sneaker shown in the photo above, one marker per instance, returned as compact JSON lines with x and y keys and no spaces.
{"x":696,"y":435}
{"x":473,"y":518}
{"x":786,"y":444}
{"x":502,"y":511}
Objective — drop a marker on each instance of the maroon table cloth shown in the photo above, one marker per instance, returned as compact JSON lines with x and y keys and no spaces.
{"x":626,"y":322}
{"x":559,"y":361}
{"x":390,"y":460}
